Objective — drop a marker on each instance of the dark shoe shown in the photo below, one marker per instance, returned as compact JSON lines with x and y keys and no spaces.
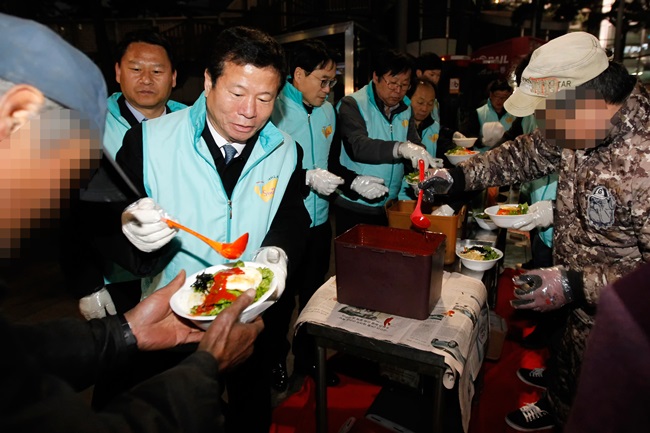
{"x":279,"y":377}
{"x":531,"y":417}
{"x":534,"y":377}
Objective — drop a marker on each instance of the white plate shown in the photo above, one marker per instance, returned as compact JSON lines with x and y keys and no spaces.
{"x":503,"y":221}
{"x":457,"y":159}
{"x":478,"y":265}
{"x":464,"y":142}
{"x":179,"y":301}
{"x":485,"y":223}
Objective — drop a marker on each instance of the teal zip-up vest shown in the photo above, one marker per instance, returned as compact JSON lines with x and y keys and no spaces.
{"x":116,"y":125}
{"x":116,"y":128}
{"x":486,"y":113}
{"x":180,"y":175}
{"x":314,"y":133}
{"x":430,"y":141}
{"x":380,"y":128}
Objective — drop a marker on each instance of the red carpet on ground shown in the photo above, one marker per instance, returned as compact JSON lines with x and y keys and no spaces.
{"x":499,"y":392}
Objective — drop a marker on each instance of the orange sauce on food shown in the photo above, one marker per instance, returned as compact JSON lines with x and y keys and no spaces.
{"x":218,"y":291}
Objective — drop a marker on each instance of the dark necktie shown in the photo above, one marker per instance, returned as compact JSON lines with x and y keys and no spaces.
{"x":229,"y":152}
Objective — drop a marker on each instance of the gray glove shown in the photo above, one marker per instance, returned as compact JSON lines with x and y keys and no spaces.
{"x":539,"y":214}
{"x":414,"y":152}
{"x":322,"y":181}
{"x":369,"y":187}
{"x":97,"y":305}
{"x":542,"y":289}
{"x":143,"y":226}
{"x":275,"y":259}
{"x":439,"y":182}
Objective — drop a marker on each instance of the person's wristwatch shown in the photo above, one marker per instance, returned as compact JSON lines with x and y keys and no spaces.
{"x":127,"y":334}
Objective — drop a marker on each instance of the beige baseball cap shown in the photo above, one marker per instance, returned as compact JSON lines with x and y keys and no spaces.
{"x":560,"y":64}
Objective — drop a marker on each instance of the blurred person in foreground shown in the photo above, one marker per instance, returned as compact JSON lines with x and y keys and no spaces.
{"x":303,"y":111}
{"x":594,"y":130}
{"x":51,"y":121}
{"x":93,"y":258}
{"x":223,"y":169}
{"x":612,"y":393}
{"x":377,"y":134}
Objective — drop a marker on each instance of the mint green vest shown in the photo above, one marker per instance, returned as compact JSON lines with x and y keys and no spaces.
{"x":180,"y":175}
{"x":116,"y":128}
{"x":487,"y":114}
{"x":314,"y":133}
{"x":380,"y":128}
{"x":116,"y":125}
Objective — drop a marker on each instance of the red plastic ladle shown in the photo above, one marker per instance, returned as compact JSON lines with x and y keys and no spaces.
{"x":417,"y":218}
{"x":230,"y":251}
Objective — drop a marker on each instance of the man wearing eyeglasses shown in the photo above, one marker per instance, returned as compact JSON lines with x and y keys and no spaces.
{"x":302,"y":110}
{"x":376,"y":133}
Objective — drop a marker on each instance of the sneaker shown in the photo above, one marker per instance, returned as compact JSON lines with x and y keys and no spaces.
{"x":531,"y":417}
{"x":534,"y":377}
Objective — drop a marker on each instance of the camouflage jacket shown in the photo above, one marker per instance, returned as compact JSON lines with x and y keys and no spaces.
{"x":602,"y":216}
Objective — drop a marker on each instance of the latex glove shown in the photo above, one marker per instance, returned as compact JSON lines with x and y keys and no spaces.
{"x":492,"y":133}
{"x":322,"y":181}
{"x":369,"y":187}
{"x":439,"y":182}
{"x":457,"y":134}
{"x":97,"y":305}
{"x":539,"y":214}
{"x":414,"y":152}
{"x":542,"y":289}
{"x":143,"y":227}
{"x":275,"y":259}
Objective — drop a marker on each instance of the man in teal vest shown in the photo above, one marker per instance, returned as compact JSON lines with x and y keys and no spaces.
{"x":491,"y":120}
{"x":146,"y":73}
{"x":376,"y":134}
{"x":221,"y":168}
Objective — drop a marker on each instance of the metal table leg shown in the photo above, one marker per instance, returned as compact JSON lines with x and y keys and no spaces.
{"x":321,"y":390}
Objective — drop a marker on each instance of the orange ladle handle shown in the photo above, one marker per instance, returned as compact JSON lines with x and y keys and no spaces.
{"x":232,"y":250}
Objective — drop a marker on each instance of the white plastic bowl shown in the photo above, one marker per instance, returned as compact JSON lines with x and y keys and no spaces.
{"x":503,"y":221}
{"x":180,"y":304}
{"x":464,"y":142}
{"x":478,"y":265}
{"x":485,"y":224}
{"x":457,"y":159}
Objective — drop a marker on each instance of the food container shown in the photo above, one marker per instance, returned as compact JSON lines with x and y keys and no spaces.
{"x":395,"y":271}
{"x":399,"y":216}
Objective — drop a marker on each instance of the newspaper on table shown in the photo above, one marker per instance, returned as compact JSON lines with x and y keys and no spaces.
{"x":456,"y":329}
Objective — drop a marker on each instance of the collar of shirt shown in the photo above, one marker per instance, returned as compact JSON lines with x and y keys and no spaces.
{"x":221,"y":142}
{"x":138,"y":116}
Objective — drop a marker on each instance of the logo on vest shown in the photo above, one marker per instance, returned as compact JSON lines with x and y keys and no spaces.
{"x":433,"y":138}
{"x":405,"y":123}
{"x":600,"y":207}
{"x":327,"y":130}
{"x":266,"y":191}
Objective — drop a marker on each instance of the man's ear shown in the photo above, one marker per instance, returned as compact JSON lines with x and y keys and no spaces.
{"x":207,"y":82}
{"x":17,"y":106}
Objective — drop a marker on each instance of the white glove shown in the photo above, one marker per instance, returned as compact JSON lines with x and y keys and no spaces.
{"x":492,"y":133}
{"x":369,"y":187}
{"x":143,"y":227}
{"x":322,"y":181}
{"x":275,"y":259}
{"x":414,"y":152}
{"x":543,"y":289}
{"x":458,"y":135}
{"x":539,"y":214}
{"x":97,"y":305}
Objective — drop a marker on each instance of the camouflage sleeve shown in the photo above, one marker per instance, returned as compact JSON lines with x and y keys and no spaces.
{"x":526,"y":158}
